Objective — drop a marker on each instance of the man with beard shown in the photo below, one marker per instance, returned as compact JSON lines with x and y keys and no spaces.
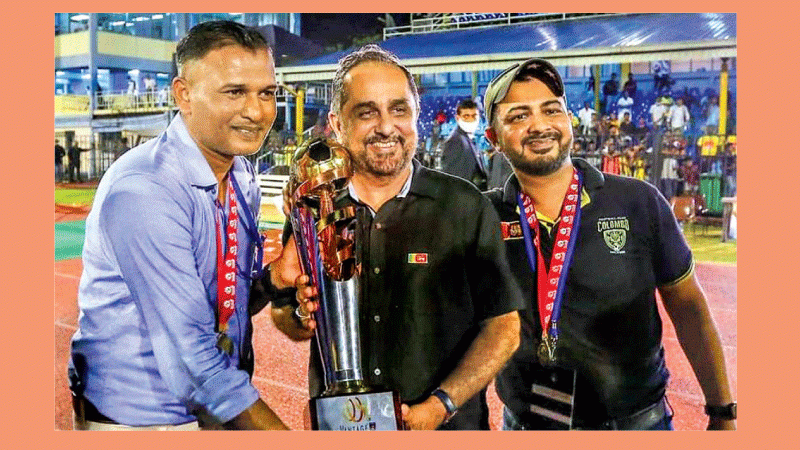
{"x":438,"y":317}
{"x":591,"y":253}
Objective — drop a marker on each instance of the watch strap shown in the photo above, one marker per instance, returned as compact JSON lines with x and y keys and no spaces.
{"x":449,"y":406}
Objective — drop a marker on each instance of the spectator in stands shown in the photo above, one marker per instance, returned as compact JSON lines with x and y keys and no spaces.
{"x":624,"y":104}
{"x":690,"y":174}
{"x":585,"y":117}
{"x":630,"y":86}
{"x":641,"y":133}
{"x":163,"y":339}
{"x":150,"y":89}
{"x":658,"y":112}
{"x":133,"y":92}
{"x":729,"y":168}
{"x":604,"y":129}
{"x":670,"y":177}
{"x":626,"y":127}
{"x":712,"y":116}
{"x":74,"y":160}
{"x":678,"y":117}
{"x":284,"y":134}
{"x":59,"y":171}
{"x":709,"y":146}
{"x":639,"y":165}
{"x":610,"y":89}
{"x":460,"y":156}
{"x":121,"y":148}
{"x":593,"y":157}
{"x":163,"y":96}
{"x":441,"y":117}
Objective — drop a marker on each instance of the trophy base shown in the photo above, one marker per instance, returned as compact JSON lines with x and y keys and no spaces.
{"x":367,"y":411}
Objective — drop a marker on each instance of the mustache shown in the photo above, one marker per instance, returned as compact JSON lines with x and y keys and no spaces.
{"x":546,"y":135}
{"x":382,"y":139}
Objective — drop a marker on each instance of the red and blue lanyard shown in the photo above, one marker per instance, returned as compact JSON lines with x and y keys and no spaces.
{"x":550,"y":283}
{"x":227,"y":249}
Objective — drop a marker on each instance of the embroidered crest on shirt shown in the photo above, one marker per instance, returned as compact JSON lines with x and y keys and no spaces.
{"x":615,"y":232}
{"x":511,"y":230}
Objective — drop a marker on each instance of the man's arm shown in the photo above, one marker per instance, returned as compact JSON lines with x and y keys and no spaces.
{"x":258,"y":416}
{"x":686,"y":305}
{"x":497,"y":340}
{"x":146,"y":224}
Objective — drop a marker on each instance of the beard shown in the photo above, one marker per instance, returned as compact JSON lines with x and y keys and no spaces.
{"x":539,"y":165}
{"x":382,"y":164}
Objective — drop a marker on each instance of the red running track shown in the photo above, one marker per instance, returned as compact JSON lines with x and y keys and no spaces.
{"x":280,"y":372}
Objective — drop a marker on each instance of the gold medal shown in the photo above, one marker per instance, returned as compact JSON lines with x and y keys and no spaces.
{"x":225,"y":344}
{"x":547,"y":350}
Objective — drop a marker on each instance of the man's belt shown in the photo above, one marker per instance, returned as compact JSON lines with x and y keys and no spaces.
{"x":85,"y":411}
{"x":640,"y":420}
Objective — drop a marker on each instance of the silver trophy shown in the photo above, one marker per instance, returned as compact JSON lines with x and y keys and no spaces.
{"x":325,"y":235}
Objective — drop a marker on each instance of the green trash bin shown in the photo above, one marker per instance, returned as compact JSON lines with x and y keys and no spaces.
{"x":711,"y":188}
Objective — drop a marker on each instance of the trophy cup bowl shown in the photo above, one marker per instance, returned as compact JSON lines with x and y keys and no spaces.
{"x":325,"y":232}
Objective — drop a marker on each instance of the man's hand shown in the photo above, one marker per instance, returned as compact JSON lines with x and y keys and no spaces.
{"x":306,"y":304}
{"x":298,"y":323}
{"x":258,"y":416}
{"x":427,"y":415}
{"x":287,"y":200}
{"x":285,"y":269}
{"x":715,"y":423}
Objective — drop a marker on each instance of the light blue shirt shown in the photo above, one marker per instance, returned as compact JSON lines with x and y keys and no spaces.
{"x":146,"y":341}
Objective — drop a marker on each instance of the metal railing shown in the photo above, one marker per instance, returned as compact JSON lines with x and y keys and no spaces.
{"x":441,"y":22}
{"x":123,"y":102}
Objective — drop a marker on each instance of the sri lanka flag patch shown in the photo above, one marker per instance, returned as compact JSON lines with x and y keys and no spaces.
{"x":418,"y":258}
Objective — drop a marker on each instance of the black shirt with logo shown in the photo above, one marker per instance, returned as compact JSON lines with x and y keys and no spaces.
{"x":433,"y":268}
{"x":610,"y":330}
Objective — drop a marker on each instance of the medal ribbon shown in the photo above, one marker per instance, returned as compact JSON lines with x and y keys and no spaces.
{"x":550,"y":283}
{"x":226,"y":261}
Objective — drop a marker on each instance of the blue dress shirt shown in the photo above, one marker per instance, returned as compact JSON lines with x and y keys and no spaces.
{"x":145,"y":348}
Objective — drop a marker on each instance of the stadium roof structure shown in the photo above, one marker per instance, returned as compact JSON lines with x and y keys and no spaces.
{"x":596,"y":40}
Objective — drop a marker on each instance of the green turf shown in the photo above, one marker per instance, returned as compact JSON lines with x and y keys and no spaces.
{"x":69,"y":239}
{"x":707,"y":245}
{"x":74,"y":196}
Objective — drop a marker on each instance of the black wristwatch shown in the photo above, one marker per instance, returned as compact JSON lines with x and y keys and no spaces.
{"x":727,"y":412}
{"x":449,"y":406}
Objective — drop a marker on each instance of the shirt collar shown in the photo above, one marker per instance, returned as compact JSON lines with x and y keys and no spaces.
{"x":195,"y":165}
{"x":592,"y":179}
{"x":403,"y":192}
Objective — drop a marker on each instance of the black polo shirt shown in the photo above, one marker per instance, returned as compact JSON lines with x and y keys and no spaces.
{"x":433,"y":268}
{"x":610,"y":331}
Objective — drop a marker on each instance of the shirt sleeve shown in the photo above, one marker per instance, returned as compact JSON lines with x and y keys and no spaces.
{"x":672,"y":258}
{"x":495,"y":291}
{"x":149,"y":229}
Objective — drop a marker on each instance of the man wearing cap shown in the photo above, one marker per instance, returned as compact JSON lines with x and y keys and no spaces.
{"x":589,"y":251}
{"x":438,"y":314}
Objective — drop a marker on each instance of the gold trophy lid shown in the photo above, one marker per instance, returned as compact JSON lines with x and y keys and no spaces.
{"x":318,"y":163}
